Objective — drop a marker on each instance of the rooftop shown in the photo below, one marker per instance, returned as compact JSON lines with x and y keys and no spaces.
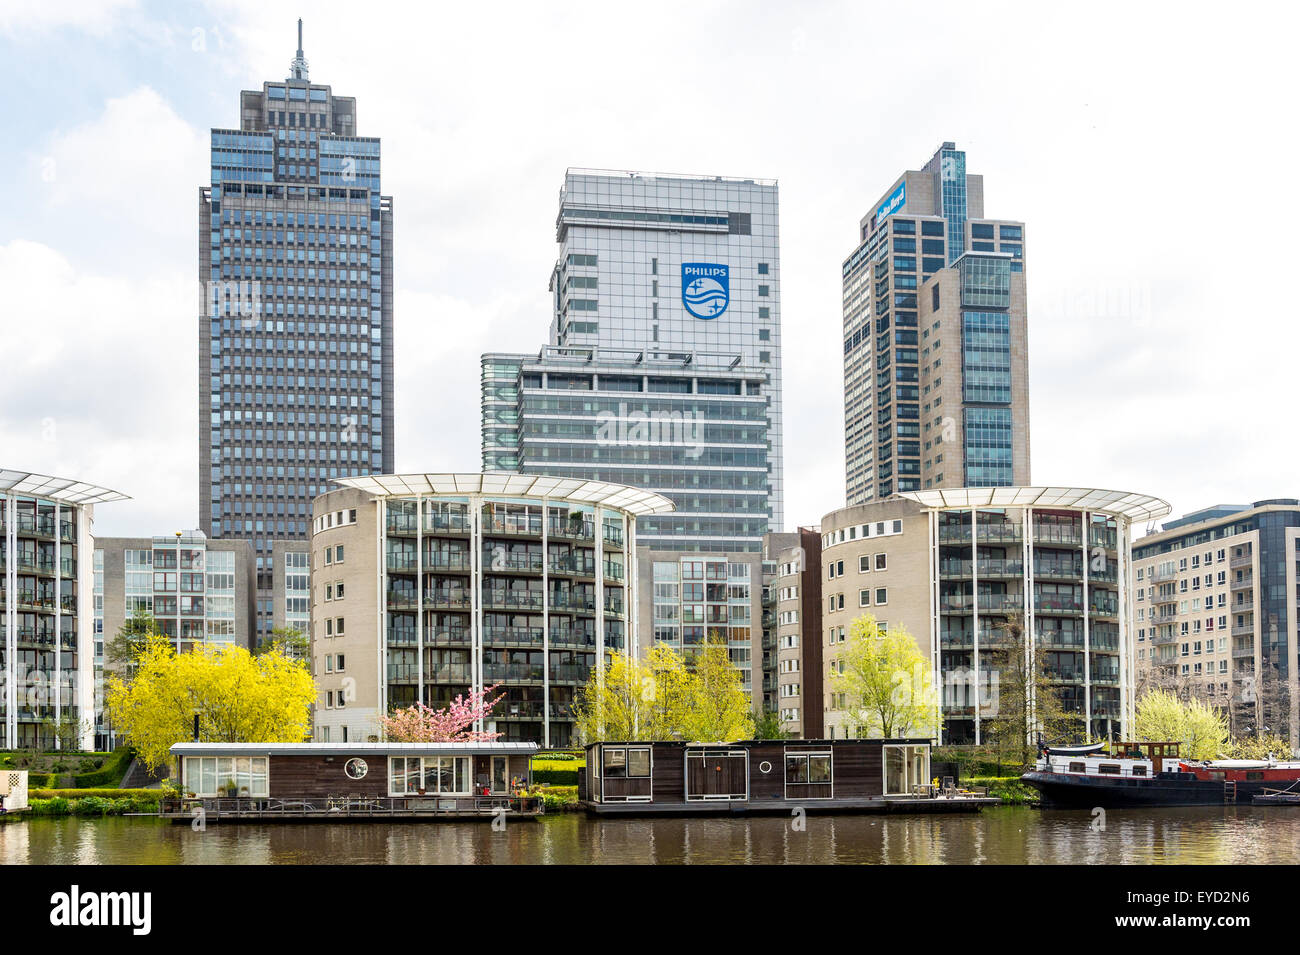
{"x":634,"y":174}
{"x":508,"y":484}
{"x":348,"y":749}
{"x":1135,"y":507}
{"x":65,"y":490}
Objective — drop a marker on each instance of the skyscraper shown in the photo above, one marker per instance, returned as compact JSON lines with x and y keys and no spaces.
{"x":666,"y":306}
{"x":296,"y":332}
{"x":936,"y":382}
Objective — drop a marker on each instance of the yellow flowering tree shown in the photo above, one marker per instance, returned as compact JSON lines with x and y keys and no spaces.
{"x":239,"y":698}
{"x":1200,"y":728}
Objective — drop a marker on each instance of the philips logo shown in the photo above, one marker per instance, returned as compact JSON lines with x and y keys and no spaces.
{"x":75,"y":908}
{"x":706,"y":289}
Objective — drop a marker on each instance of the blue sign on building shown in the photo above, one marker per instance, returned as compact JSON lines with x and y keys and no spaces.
{"x":706,"y":289}
{"x":897,"y":199}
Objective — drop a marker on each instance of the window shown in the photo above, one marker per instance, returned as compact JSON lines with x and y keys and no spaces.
{"x":812,"y":770}
{"x":880,"y":561}
{"x":626,"y":762}
{"x":864,"y":564}
{"x":864,"y":598}
{"x":209,"y":775}
{"x":882,"y":595}
{"x":411,"y":775}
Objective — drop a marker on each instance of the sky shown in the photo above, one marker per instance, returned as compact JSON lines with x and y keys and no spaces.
{"x":1138,"y":143}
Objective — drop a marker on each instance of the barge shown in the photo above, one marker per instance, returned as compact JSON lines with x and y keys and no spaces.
{"x":1152,"y":774}
{"x":774,"y":777}
{"x":352,"y":782}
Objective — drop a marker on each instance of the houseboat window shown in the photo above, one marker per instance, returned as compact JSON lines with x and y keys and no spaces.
{"x":615,"y":762}
{"x":1111,"y":769}
{"x":638,"y":763}
{"x":812,"y":768}
{"x":209,"y":775}
{"x":627,"y":762}
{"x":356,"y":768}
{"x":1139,"y":770}
{"x":1250,"y":777}
{"x":1078,"y":767}
{"x":906,"y":768}
{"x":409,"y":775}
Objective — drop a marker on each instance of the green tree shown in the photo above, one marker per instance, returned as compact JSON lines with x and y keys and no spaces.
{"x":291,"y":641}
{"x":123,"y":648}
{"x":769,"y":725}
{"x":662,"y":698}
{"x":236,"y":696}
{"x":1027,"y":700}
{"x":1201,"y":729}
{"x":886,"y":682}
{"x":719,"y":707}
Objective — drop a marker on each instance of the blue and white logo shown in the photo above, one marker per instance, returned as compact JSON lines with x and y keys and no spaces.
{"x":706,"y":289}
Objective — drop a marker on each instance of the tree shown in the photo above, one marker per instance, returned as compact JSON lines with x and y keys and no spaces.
{"x":131,"y":639}
{"x":292,"y":641}
{"x":886,"y":681}
{"x":1027,"y":699}
{"x":769,"y":725}
{"x":450,"y":724}
{"x":237,"y":697}
{"x":66,"y":731}
{"x":661,"y":698}
{"x":1201,"y":729}
{"x":719,"y":708}
{"x":1259,"y":747}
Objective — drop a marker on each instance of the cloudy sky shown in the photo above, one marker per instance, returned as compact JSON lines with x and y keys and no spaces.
{"x":1138,"y":144}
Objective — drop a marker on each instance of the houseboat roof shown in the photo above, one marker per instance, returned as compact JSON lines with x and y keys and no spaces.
{"x":718,"y":744}
{"x":351,"y":749}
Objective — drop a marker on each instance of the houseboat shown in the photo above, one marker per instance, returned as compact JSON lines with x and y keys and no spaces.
{"x":766,"y":776}
{"x":1152,"y":774}
{"x":232,"y":782}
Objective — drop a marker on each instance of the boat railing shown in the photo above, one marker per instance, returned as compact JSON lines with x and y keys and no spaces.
{"x":349,"y":805}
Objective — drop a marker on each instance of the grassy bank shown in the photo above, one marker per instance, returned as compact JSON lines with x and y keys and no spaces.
{"x":1009,"y":789}
{"x":92,"y":802}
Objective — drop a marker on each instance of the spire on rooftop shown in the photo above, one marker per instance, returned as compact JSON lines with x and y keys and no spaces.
{"x":298,"y":68}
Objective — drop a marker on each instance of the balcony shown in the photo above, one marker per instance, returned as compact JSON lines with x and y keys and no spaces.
{"x":986,"y":568}
{"x":1245,"y":582}
{"x":446,"y":600}
{"x":573,"y":566}
{"x":1244,"y":629}
{"x":447,"y":561}
{"x":457,"y":524}
{"x":520,"y":636}
{"x":513,"y":525}
{"x":1046,"y":603}
{"x":1243,"y":652}
{"x":512,"y":599}
{"x":512,"y":563}
{"x":571,"y":530}
{"x":1053,"y":535}
{"x":1242,"y":560}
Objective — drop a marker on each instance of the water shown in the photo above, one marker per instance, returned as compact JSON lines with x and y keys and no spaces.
{"x":1009,"y":835}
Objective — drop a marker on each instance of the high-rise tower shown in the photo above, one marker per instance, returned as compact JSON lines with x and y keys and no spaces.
{"x":296,"y":329}
{"x":936,"y":381}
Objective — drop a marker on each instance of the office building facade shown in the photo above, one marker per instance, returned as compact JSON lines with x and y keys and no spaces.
{"x":1216,"y":612}
{"x":47,"y":614}
{"x":427,"y":586}
{"x":936,"y":387}
{"x":296,"y":330}
{"x":692,"y":426}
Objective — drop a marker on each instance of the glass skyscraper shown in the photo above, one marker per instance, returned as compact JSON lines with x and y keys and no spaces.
{"x":666,"y":310}
{"x":936,"y":384}
{"x":296,"y":329}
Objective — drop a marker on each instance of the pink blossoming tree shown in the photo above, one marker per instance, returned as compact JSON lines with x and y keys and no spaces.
{"x":450,"y":724}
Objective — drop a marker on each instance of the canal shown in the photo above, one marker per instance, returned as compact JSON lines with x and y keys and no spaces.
{"x":1010,"y":835}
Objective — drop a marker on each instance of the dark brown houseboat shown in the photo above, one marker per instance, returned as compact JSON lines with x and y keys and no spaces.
{"x":352,"y":781}
{"x":767,"y":776}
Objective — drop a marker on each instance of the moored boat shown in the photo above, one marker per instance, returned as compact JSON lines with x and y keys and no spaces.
{"x":1152,"y":774}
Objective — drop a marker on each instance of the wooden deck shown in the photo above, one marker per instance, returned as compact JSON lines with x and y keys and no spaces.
{"x":350,"y":808}
{"x":783,"y":807}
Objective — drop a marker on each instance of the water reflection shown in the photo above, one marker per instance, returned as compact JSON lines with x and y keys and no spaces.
{"x":1202,"y":835}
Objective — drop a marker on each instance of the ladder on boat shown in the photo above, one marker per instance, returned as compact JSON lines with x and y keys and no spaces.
{"x":1230,"y":790}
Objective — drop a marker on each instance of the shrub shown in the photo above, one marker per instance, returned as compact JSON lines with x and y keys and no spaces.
{"x":110,"y":772}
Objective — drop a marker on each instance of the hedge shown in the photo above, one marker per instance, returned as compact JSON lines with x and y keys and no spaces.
{"x":109,"y":774}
